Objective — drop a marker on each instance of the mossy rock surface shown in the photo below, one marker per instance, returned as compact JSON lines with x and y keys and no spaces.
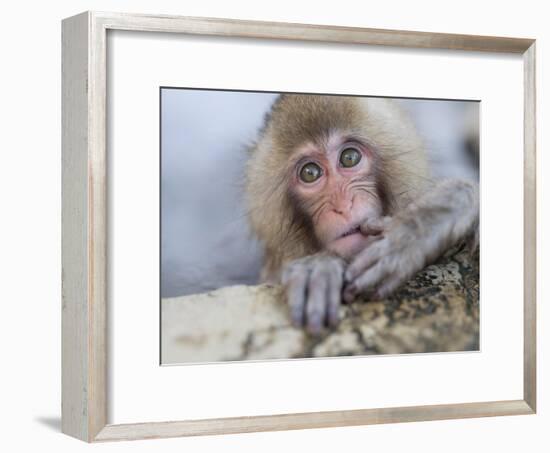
{"x":436,"y":311}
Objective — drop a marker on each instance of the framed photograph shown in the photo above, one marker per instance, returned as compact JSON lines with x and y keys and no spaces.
{"x":272,"y":226}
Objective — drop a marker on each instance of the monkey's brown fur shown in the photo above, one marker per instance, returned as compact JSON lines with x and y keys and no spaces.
{"x":298,"y":119}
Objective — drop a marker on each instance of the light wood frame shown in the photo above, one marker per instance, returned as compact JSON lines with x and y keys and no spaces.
{"x":84,"y":305}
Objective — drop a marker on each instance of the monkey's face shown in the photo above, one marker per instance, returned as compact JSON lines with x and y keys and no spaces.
{"x":335,"y":187}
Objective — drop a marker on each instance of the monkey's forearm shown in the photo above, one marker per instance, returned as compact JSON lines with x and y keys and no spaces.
{"x":416,"y":236}
{"x":445,"y":215}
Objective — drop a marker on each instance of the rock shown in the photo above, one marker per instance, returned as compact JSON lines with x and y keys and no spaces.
{"x":232,"y":323}
{"x":436,"y":311}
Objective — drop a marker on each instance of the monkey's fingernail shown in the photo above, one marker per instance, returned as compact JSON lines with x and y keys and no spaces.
{"x":333,"y":320}
{"x":349,"y":293}
{"x":314,"y":328}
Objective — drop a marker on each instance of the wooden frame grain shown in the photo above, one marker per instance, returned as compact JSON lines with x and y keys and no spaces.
{"x":84,"y":304}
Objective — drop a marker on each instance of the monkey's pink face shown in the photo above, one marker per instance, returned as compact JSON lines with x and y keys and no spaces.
{"x":335,"y":186}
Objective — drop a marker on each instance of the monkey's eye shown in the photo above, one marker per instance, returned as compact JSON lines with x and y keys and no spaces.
{"x":350,"y":157}
{"x":310,"y":172}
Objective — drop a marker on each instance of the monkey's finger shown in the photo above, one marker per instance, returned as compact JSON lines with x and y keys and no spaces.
{"x":375,"y":226}
{"x":334,"y":295}
{"x":351,"y":292}
{"x":370,"y":279}
{"x":316,"y":306}
{"x":370,"y":229}
{"x":296,"y":286}
{"x":371,"y":239}
{"x":365,"y":259}
{"x":388,"y":287}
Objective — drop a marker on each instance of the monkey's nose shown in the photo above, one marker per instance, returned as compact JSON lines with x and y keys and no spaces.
{"x":342,"y":211}
{"x":343,"y":208}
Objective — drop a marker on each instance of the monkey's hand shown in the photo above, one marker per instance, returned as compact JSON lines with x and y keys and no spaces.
{"x":375,"y":227}
{"x":412,"y":239}
{"x":314,"y":290}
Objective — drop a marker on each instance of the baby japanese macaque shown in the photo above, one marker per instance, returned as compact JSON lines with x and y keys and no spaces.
{"x":340,"y":195}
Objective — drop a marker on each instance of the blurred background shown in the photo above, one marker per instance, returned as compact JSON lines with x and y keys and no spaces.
{"x":205,"y":240}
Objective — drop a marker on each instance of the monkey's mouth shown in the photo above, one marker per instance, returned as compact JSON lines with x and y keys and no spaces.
{"x":353,"y":230}
{"x":348,"y":243}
